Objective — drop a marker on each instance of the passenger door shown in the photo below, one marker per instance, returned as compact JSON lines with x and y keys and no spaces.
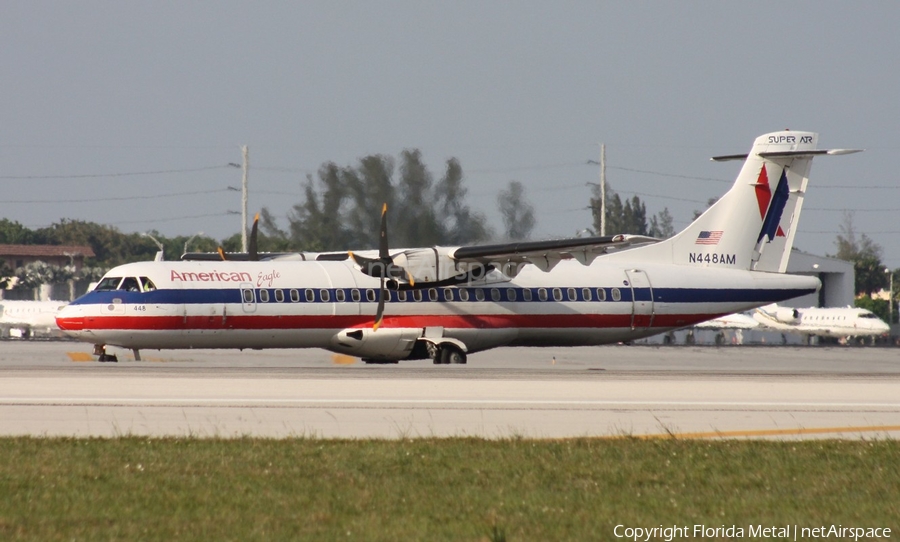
{"x":641,"y":298}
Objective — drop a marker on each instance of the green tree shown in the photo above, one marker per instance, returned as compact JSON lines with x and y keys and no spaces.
{"x":661,"y":225}
{"x":270,"y":237}
{"x":317,"y":224}
{"x":110,"y":246}
{"x":865,"y":255}
{"x":709,"y":203}
{"x":628,"y":217}
{"x":414,"y":211}
{"x":517,"y":213}
{"x":461,"y":225}
{"x":878,"y":306}
{"x":342,"y":207}
{"x":6,"y":273}
{"x":615,"y":213}
{"x":635,"y":216}
{"x":13,"y":233}
{"x":371,"y":186}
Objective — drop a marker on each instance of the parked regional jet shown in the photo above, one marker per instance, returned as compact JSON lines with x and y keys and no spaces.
{"x":446,"y":302}
{"x":822,"y":322}
{"x":23,"y":318}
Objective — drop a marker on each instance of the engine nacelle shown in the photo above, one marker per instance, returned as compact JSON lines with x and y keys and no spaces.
{"x":386,"y":344}
{"x":787,"y":316}
{"x":434,"y":264}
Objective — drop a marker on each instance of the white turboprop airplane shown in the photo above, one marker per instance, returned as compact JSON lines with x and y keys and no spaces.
{"x":822,"y":322}
{"x":26,"y":317}
{"x":444,"y":302}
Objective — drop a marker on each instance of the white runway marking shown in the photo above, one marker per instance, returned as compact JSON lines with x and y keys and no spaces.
{"x":281,"y":402}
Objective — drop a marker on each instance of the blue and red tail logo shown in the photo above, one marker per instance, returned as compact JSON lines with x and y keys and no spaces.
{"x":771,"y":205}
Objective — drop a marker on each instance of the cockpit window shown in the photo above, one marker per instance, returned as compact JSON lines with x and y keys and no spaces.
{"x":130,"y":284}
{"x":867,"y":315}
{"x":147,"y":284}
{"x":109,"y":283}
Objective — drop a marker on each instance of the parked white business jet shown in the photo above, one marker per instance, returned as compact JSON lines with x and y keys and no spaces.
{"x":822,"y":322}
{"x":444,"y":302}
{"x":24,"y":318}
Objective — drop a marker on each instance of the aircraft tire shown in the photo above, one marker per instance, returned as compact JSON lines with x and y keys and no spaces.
{"x":451,"y":354}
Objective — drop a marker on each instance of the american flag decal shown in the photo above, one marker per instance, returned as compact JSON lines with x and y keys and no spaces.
{"x":708,"y":238}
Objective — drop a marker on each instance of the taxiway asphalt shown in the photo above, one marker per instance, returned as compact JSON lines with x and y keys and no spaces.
{"x":54,"y":389}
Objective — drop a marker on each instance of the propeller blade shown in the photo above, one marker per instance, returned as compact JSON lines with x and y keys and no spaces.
{"x":222,"y":254}
{"x":383,"y":266}
{"x":373,"y":267}
{"x":252,"y":245}
{"x":379,"y":313}
{"x":383,"y":242}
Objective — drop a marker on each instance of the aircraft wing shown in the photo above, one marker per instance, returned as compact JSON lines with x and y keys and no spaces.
{"x":235,"y":256}
{"x":546,"y":254}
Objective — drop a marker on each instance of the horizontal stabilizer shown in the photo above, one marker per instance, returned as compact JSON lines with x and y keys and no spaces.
{"x":786,"y":154}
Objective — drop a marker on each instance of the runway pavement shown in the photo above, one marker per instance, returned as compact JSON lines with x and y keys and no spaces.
{"x":774,"y":392}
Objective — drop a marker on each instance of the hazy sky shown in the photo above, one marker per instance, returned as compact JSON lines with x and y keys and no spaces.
{"x":516,"y":90}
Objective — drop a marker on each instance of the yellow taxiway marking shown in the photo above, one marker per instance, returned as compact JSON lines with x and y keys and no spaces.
{"x":776,"y":432}
{"x":340,"y":359}
{"x":80,"y":356}
{"x":84,"y":356}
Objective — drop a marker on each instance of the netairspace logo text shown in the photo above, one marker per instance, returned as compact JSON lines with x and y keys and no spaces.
{"x":770,"y":532}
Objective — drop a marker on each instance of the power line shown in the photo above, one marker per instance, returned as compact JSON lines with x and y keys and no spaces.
{"x":150,"y":221}
{"x":103,"y":175}
{"x":120,"y":198}
{"x":844,"y":209}
{"x":524,"y":168}
{"x":659,"y":197}
{"x":172,"y":219}
{"x":834,"y":232}
{"x":661,"y":174}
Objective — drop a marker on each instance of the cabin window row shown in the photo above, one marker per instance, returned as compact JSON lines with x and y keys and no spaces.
{"x":354,"y":295}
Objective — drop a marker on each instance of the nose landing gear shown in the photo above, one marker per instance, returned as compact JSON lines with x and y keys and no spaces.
{"x":102,"y":356}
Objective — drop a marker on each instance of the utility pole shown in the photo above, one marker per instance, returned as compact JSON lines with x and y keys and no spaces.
{"x":602,"y":189}
{"x":246,"y":152}
{"x":602,"y":164}
{"x":890,"y":297}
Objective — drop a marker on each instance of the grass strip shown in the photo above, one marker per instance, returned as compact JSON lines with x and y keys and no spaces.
{"x":433,"y":489}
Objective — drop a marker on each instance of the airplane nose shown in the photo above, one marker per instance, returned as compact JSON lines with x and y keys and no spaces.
{"x":71,"y":318}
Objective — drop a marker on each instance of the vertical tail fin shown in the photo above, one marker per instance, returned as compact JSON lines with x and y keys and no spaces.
{"x":754,"y":224}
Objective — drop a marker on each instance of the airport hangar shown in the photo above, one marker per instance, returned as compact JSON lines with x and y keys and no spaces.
{"x":837,"y":276}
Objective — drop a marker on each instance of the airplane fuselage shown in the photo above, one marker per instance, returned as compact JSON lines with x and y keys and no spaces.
{"x":331,"y":305}
{"x":30,"y":315}
{"x":562,"y":292}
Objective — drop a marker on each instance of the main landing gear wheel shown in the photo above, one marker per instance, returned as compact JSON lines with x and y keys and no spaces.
{"x":451,"y":354}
